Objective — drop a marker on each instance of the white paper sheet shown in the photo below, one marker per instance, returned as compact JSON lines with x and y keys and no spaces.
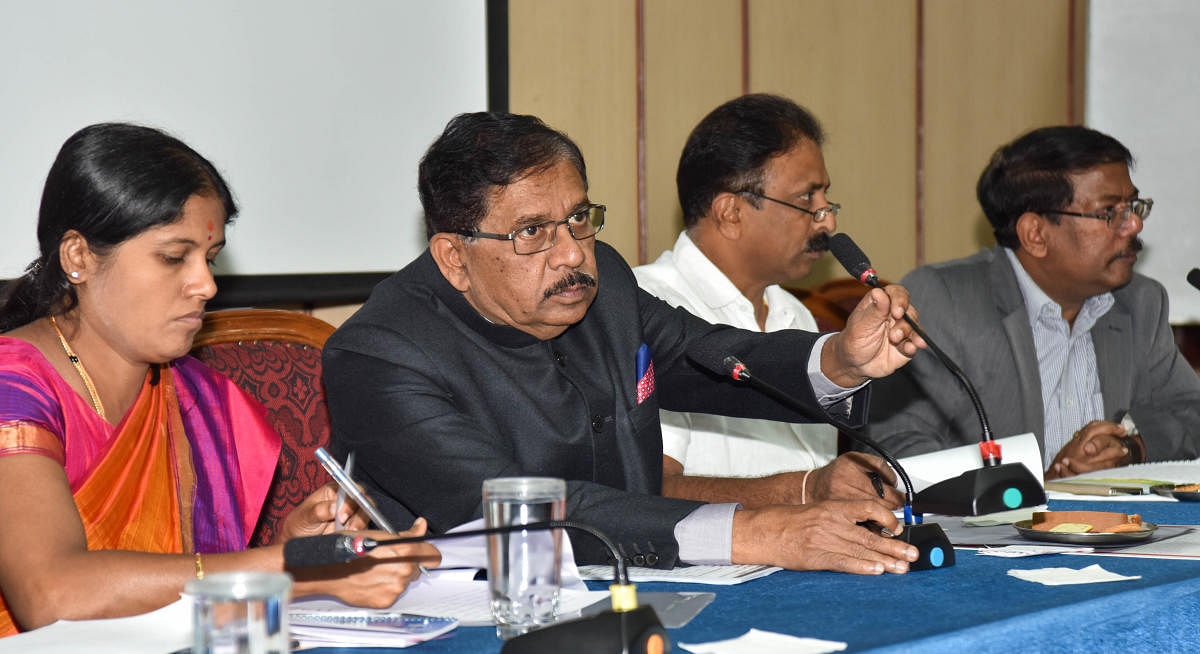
{"x":1020,"y":551}
{"x":765,"y":642}
{"x":471,"y":552}
{"x":1093,"y":574}
{"x":454,"y":592}
{"x":166,"y":630}
{"x":466,"y":601}
{"x":717,"y":575}
{"x":402,"y":631}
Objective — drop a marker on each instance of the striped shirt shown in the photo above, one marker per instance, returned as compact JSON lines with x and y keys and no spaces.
{"x":1070,"y":381}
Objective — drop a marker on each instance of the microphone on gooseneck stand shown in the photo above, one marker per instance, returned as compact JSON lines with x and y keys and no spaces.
{"x":1193,"y":277}
{"x":995,"y":487}
{"x":856,"y":263}
{"x":627,"y":628}
{"x":931,"y":542}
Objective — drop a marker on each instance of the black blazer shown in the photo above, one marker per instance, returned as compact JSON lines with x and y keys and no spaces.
{"x":435,"y":399}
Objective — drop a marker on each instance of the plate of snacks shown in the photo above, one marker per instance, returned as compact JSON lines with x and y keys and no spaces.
{"x":1182,"y":492}
{"x":1086,"y":527}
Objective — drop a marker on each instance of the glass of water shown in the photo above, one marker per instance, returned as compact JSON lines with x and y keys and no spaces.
{"x":524,"y":571}
{"x":241,"y":613}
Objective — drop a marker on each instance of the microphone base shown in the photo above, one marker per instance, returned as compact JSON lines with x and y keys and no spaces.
{"x":638,"y":632}
{"x":983,"y":490}
{"x":935,"y":550}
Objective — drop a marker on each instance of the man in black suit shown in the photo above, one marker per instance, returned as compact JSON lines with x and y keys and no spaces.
{"x":519,"y":345}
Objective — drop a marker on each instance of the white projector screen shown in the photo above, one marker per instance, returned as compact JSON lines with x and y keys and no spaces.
{"x":316,"y":112}
{"x":1143,"y":87}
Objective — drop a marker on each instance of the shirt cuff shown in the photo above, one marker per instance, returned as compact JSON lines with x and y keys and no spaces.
{"x":826,"y":392}
{"x":705,"y":536}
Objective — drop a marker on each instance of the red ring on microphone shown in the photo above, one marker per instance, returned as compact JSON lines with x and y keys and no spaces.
{"x":358,"y":546}
{"x":738,"y":370}
{"x":990,"y":450}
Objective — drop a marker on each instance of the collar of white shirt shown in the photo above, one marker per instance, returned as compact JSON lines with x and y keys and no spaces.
{"x":1040,"y":306}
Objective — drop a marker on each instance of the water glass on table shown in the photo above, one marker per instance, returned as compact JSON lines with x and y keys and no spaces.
{"x":241,"y":613}
{"x":524,"y":567}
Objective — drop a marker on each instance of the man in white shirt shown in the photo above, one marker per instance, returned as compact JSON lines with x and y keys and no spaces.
{"x":752,"y":184}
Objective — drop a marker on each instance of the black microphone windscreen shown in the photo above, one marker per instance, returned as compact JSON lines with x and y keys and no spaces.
{"x":319,"y":550}
{"x":847,"y":252}
{"x":1194,"y":277}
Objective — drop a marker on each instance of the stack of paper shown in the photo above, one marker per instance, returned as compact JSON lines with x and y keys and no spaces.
{"x":1140,"y":476}
{"x":717,"y":575}
{"x":348,"y":627}
{"x":433,"y":604}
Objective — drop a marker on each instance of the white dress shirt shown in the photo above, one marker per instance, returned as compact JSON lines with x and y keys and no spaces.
{"x":710,"y":445}
{"x":1071,"y":394}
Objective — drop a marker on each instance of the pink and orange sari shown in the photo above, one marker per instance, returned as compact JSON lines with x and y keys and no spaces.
{"x":186,"y":470}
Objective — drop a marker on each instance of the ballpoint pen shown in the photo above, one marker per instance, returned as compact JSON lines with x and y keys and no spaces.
{"x":877,"y":482}
{"x":346,"y":485}
{"x":341,"y":495}
{"x":343,"y":480}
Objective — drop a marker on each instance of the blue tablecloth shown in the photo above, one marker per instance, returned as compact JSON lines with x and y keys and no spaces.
{"x":974,"y":606}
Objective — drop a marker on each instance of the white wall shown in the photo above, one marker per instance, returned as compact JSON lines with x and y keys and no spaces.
{"x":316,"y":111}
{"x":1143,"y":87}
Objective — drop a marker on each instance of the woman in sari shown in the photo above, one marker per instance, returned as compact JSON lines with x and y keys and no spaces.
{"x":126,"y":466}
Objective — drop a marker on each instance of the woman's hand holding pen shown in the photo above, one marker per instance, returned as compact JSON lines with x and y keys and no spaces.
{"x":316,"y":515}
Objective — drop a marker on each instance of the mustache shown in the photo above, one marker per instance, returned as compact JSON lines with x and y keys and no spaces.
{"x":1135,"y":246}
{"x":818,"y":243}
{"x":577,"y":278}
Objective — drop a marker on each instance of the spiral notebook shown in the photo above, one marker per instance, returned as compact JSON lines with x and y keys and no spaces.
{"x":352,"y":627}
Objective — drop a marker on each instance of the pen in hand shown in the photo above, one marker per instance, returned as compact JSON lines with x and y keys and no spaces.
{"x":352,"y":490}
{"x":341,"y":495}
{"x":347,"y":487}
{"x":877,"y":482}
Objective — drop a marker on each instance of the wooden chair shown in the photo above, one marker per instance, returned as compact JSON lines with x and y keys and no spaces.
{"x":829,"y":315}
{"x":1187,"y":339}
{"x":845,"y":292}
{"x":275,"y":356}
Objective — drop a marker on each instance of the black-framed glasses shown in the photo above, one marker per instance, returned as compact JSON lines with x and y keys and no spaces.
{"x":818,"y":215}
{"x":531,"y":239}
{"x":1117,"y":217}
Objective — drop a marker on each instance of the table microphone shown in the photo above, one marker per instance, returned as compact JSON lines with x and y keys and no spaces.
{"x":1193,"y":277}
{"x":995,"y":487}
{"x":626,"y":629}
{"x":934,"y":548}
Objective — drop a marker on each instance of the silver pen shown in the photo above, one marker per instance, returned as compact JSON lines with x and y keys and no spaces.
{"x":341,"y":495}
{"x":347,"y":484}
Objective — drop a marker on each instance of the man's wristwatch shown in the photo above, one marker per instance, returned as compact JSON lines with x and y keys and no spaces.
{"x":1137,"y":454}
{"x":1132,"y":438}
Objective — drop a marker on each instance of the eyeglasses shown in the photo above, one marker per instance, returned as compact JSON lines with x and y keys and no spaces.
{"x":818,"y":215}
{"x":531,"y":239}
{"x":1117,"y":217}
